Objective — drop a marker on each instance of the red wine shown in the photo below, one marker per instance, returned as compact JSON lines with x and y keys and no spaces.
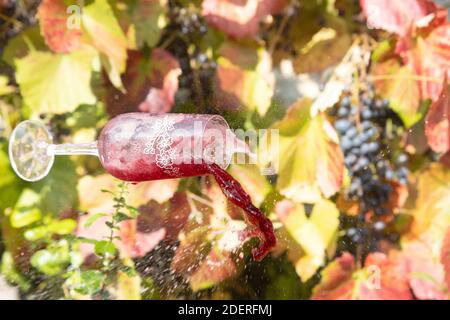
{"x":142,"y":147}
{"x":234,"y":192}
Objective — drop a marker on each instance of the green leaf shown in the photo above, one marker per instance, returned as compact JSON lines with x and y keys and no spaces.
{"x":149,"y":18}
{"x":105,"y":247}
{"x":18,"y":47}
{"x":91,"y":282}
{"x":58,"y":190}
{"x":62,"y":227}
{"x":4,"y":87}
{"x":55,"y":83}
{"x":37,"y":233}
{"x":26,"y":210}
{"x":8,"y":269}
{"x":120,"y":216}
{"x":91,"y":220}
{"x":52,"y":260}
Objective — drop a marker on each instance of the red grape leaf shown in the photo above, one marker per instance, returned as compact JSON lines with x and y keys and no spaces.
{"x":150,"y":84}
{"x":399,"y":16}
{"x":425,"y":273}
{"x":382,"y":278}
{"x":239,"y":18}
{"x":59,"y":35}
{"x":430,"y":210}
{"x":445,"y":257}
{"x":215,"y":268}
{"x":428,"y":56}
{"x":402,"y":90}
{"x":437,"y":122}
{"x":337,"y":281}
{"x":244,"y":78}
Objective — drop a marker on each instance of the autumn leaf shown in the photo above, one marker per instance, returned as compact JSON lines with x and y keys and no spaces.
{"x":437,"y":122}
{"x":399,"y":16}
{"x":428,"y":56}
{"x":317,"y":44}
{"x":240,"y":18}
{"x":59,"y":34}
{"x":382,"y":278}
{"x":431,"y":207}
{"x":402,"y":90}
{"x":425,"y":272}
{"x":244,"y":78}
{"x":150,"y":84}
{"x":312,"y":162}
{"x":314,"y":233}
{"x":106,"y":35}
{"x":217,"y":267}
{"x":44,"y":84}
{"x":149,"y":19}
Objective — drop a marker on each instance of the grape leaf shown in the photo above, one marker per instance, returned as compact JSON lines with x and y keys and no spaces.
{"x":428,"y":56}
{"x":425,"y":273}
{"x":59,"y":34}
{"x":244,"y":78}
{"x":150,"y":84}
{"x":255,"y":184}
{"x":105,"y":34}
{"x":398,"y":17}
{"x":19,"y":46}
{"x":402,"y":90}
{"x":430,"y":210}
{"x":44,"y":83}
{"x":437,"y":122}
{"x":240,"y":18}
{"x":216,"y":267}
{"x":4,"y":87}
{"x":149,"y":18}
{"x":312,"y":161}
{"x":382,"y":278}
{"x":316,"y":44}
{"x":314,"y":234}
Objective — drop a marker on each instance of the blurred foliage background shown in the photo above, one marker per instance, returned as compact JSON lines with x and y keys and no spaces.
{"x":366,"y":220}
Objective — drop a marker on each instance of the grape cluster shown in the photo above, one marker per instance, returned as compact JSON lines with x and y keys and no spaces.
{"x":187,"y":29}
{"x":364,"y":140}
{"x":187,"y":21}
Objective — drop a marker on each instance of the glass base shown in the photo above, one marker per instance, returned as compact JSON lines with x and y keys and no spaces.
{"x":29,"y":152}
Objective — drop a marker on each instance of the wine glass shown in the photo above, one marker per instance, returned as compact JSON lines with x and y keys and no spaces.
{"x":133,"y":146}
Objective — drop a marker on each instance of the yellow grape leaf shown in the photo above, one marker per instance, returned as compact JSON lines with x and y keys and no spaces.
{"x":432,"y":205}
{"x":402,"y":90}
{"x":252,"y":180}
{"x":4,"y":87}
{"x":244,"y":78}
{"x":310,"y":160}
{"x":55,"y":83}
{"x":106,"y":35}
{"x":314,"y":234}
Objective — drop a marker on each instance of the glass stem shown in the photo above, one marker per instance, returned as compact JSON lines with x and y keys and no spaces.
{"x":89,"y":148}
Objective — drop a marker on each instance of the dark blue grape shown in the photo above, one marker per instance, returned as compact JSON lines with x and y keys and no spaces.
{"x":342,"y":125}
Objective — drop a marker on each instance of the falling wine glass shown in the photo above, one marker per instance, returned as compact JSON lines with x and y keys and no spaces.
{"x":142,"y":147}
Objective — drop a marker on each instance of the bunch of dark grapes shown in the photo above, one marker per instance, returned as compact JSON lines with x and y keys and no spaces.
{"x":186,"y":30}
{"x":362,"y":124}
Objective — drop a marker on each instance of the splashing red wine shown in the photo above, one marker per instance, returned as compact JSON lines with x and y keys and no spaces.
{"x":127,"y":153}
{"x":234,"y":192}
